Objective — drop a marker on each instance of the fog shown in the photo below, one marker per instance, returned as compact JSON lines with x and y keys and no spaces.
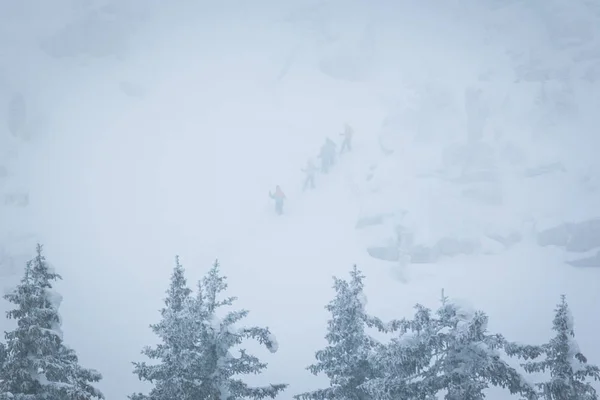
{"x":140,"y":130}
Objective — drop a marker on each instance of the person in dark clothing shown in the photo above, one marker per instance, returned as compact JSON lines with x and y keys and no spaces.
{"x":310,"y":171}
{"x":327,"y":155}
{"x":279,"y":198}
{"x":347,"y":134}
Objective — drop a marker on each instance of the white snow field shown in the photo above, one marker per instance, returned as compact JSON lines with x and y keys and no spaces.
{"x":172,"y":147}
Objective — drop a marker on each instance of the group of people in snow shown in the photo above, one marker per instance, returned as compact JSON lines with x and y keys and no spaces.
{"x":327,"y":155}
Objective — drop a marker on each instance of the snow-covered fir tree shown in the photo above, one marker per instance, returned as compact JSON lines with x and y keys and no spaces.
{"x":172,"y":375}
{"x":215,"y":336}
{"x":37,"y":364}
{"x":569,"y":371}
{"x":345,"y":360}
{"x":3,"y":394}
{"x":448,"y":351}
{"x":470,"y":359}
{"x":2,"y":353}
{"x":403,"y":362}
{"x":194,"y":359}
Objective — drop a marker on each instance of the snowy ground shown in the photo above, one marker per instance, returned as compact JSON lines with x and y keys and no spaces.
{"x":118,"y":185}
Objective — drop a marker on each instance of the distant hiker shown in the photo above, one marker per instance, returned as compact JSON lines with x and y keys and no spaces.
{"x":327,"y":155}
{"x":279,"y":197}
{"x":310,"y":171}
{"x":347,"y":134}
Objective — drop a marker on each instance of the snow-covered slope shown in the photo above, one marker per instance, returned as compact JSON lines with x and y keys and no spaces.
{"x":172,"y":146}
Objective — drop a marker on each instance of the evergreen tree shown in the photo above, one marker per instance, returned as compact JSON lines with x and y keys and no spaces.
{"x":37,"y":364}
{"x":195,"y":362}
{"x":404,"y":362}
{"x":449,"y":351}
{"x":171,"y":375}
{"x":215,"y":337}
{"x":471,"y":360}
{"x":3,"y":356}
{"x":345,"y":360}
{"x":569,"y":371}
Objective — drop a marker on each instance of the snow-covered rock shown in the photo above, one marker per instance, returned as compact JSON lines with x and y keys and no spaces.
{"x":424,"y":254}
{"x":506,"y":238}
{"x":100,"y":33}
{"x":452,"y":246}
{"x":575,"y":237}
{"x":544,"y":169}
{"x":16,"y":199}
{"x":370,"y":220}
{"x":385,"y":253}
{"x":592,"y":261}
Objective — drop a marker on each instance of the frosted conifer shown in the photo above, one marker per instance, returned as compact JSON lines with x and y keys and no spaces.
{"x":194,"y":359}
{"x":569,"y":370}
{"x":36,"y":363}
{"x":215,"y":337}
{"x":450,"y":351}
{"x":170,"y":376}
{"x":345,"y":360}
{"x":3,"y":354}
{"x":471,"y":359}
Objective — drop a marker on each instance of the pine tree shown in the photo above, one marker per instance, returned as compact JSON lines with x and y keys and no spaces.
{"x":37,"y":364}
{"x":195,"y":360}
{"x":345,"y":360}
{"x":449,"y":350}
{"x":569,"y":371}
{"x":471,"y":360}
{"x":215,"y":337}
{"x":404,"y":362}
{"x":171,"y":375}
{"x":3,"y":356}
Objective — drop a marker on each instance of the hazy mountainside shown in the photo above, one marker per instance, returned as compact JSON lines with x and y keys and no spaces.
{"x":139,"y":130}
